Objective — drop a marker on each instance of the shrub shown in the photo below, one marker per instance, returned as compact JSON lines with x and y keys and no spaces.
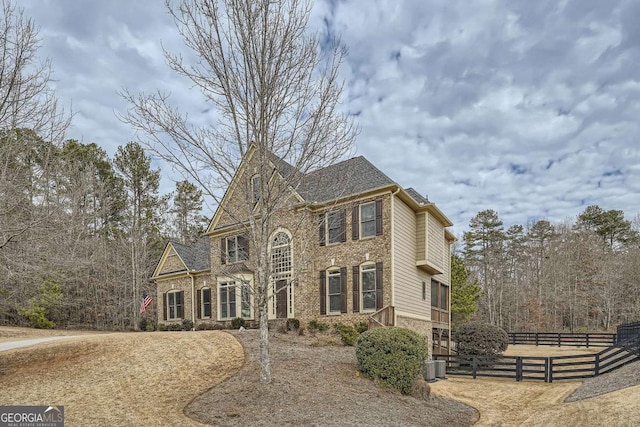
{"x":187,"y":325}
{"x":237,"y":323}
{"x":361,"y":327}
{"x":142,"y":324}
{"x":293,"y":324}
{"x":162,"y":327}
{"x":318,"y":326}
{"x":204,"y":327}
{"x":481,"y":339}
{"x":393,"y":356}
{"x":348,"y":334}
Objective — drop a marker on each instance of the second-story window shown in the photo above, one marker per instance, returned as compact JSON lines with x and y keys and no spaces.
{"x":332,"y":227}
{"x":234,"y":249}
{"x":366,"y":220}
{"x":256,"y":188}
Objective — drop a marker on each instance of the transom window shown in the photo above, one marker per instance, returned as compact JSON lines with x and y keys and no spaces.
{"x":281,"y":255}
{"x":333,"y":291}
{"x":368,"y":220}
{"x":174,"y":305}
{"x":369,"y":287}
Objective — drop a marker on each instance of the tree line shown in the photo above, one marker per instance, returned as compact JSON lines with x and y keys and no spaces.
{"x":80,"y":233}
{"x":579,"y":275}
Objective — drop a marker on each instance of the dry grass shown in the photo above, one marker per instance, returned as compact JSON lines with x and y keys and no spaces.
{"x":120,"y":379}
{"x":549,"y":351}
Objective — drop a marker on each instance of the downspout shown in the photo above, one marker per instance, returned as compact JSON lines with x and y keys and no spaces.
{"x":193,"y":298}
{"x":393,"y":238}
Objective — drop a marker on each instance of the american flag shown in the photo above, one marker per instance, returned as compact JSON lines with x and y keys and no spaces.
{"x":146,"y":301}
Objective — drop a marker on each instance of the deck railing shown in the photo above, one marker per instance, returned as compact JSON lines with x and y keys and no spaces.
{"x":383,"y":317}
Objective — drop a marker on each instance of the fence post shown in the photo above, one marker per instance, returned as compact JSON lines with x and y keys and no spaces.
{"x":518,"y":368}
{"x":596,"y":368}
{"x":587,"y":340}
{"x":474,"y":365}
{"x":550,"y":369}
{"x":536,"y":339}
{"x":513,"y":338}
{"x":559,"y":339}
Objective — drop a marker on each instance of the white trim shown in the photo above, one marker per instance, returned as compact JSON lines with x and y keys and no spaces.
{"x":202,"y":289}
{"x":360,"y":236}
{"x":271,"y":309}
{"x":327,"y":298}
{"x":173,"y":291}
{"x":239,"y":281}
{"x":375,"y":287}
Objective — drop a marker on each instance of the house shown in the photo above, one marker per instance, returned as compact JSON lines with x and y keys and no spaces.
{"x":350,"y":245}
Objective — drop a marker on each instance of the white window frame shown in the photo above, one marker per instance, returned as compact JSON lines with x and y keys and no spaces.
{"x":328,"y":229}
{"x":236,"y":258}
{"x":175,"y":305}
{"x":281,"y":275}
{"x":241,"y":284}
{"x":203,"y":303}
{"x":368,"y":269}
{"x":333,"y":273}
{"x":372,"y":220}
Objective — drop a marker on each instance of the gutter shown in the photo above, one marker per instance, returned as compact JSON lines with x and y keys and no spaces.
{"x":193,"y":297}
{"x":393,"y":238}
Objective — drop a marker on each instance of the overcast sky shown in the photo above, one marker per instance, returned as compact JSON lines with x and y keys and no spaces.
{"x":530,"y":108}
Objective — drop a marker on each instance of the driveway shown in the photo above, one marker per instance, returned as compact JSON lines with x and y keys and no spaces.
{"x":10,"y":345}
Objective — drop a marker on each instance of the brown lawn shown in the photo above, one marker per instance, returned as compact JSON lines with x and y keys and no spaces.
{"x":120,"y":379}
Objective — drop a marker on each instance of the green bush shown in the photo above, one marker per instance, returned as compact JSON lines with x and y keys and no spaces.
{"x":162,"y":327}
{"x":205,"y":327}
{"x":237,"y":323}
{"x":318,"y":326}
{"x":480,"y":339}
{"x":293,"y":324}
{"x":393,"y":356}
{"x":187,"y":325}
{"x":348,"y":334}
{"x":361,"y":327}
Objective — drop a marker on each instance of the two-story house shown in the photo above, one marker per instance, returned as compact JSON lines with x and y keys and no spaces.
{"x":352,"y":246}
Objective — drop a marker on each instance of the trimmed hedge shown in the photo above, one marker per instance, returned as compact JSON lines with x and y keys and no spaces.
{"x":481,"y":339}
{"x":393,"y":356}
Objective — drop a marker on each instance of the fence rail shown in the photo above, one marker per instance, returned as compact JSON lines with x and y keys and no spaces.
{"x":547,"y":369}
{"x":595,"y":339}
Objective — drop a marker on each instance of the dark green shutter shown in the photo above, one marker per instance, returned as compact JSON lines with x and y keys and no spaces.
{"x":379,"y":217}
{"x":199,"y":303}
{"x":343,"y":289}
{"x":355,"y":223}
{"x":379,"y":293}
{"x":356,"y":288}
{"x":343,"y":225}
{"x":323,"y":292}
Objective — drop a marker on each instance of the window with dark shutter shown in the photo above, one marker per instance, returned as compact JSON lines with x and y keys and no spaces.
{"x":321,"y":230}
{"x":223,"y":250}
{"x":180,"y":307}
{"x":343,"y":289}
{"x":369,"y":282}
{"x":367,"y":220}
{"x":343,"y":225}
{"x":379,"y":293}
{"x":379,"y":217}
{"x":243,"y":248}
{"x":206,"y":303}
{"x":199,"y":303}
{"x":355,"y":223}
{"x":323,"y":292}
{"x":164,"y":306}
{"x":356,"y":288}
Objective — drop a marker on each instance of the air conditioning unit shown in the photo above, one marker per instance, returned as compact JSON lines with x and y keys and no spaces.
{"x":440,"y":369}
{"x":429,"y":372}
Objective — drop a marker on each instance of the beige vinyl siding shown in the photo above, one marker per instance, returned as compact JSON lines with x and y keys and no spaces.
{"x":421,"y":236}
{"x":446,"y":277}
{"x":407,"y":278}
{"x":436,"y":244}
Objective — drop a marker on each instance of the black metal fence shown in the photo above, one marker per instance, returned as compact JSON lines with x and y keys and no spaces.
{"x":594,"y":339}
{"x":547,"y":369}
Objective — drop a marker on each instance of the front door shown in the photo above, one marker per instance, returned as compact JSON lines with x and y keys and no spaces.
{"x":281,"y":299}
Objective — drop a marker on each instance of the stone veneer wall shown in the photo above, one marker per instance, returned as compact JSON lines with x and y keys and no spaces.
{"x":423,"y":327}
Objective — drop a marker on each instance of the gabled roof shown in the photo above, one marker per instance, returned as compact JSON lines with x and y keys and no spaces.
{"x":196,"y":256}
{"x":344,"y":179}
{"x":417,"y":196}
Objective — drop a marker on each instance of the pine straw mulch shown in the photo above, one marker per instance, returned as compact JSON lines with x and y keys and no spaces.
{"x":315,"y":382}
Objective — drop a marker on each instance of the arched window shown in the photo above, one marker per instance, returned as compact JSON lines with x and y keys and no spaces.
{"x":281,"y":255}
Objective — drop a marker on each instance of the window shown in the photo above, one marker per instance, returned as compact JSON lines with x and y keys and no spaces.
{"x":234,"y":249}
{"x":369,"y":287}
{"x":227,"y":300}
{"x":230,"y":294}
{"x":281,"y":255}
{"x":256,"y":187}
{"x":367,"y":220}
{"x":206,"y":303}
{"x":332,"y":227}
{"x":439,"y":295}
{"x":333,"y":287}
{"x":174,"y":305}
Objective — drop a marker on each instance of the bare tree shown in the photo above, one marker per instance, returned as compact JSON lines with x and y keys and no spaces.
{"x":275,"y":87}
